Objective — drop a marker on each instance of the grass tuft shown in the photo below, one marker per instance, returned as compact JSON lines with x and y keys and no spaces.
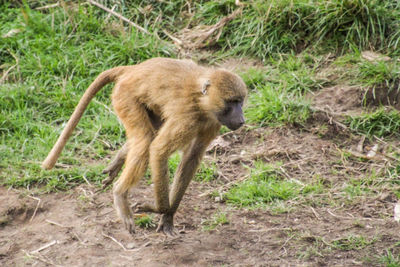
{"x":265,"y":185}
{"x":145,"y":221}
{"x":380,"y":123}
{"x":352,"y":243}
{"x":218,"y":219}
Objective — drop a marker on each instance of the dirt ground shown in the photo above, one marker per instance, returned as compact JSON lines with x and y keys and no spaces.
{"x":80,"y":227}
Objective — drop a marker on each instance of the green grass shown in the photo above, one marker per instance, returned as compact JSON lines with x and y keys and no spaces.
{"x":381,"y":123}
{"x":264,"y":185}
{"x":352,"y":242}
{"x":271,"y":106}
{"x":390,"y":259}
{"x":206,"y":172}
{"x":145,"y":221}
{"x":267,"y":186}
{"x":371,"y":74}
{"x":275,"y":26}
{"x":267,"y":27}
{"x":218,"y":219}
{"x":277,"y":92}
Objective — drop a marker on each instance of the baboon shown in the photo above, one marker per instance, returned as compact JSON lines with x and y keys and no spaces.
{"x":165,"y":105}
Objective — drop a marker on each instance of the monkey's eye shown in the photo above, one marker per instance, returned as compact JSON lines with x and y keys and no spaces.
{"x":234,"y":103}
{"x":227,"y":110}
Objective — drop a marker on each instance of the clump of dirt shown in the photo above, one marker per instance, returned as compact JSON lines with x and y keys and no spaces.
{"x":340,"y":99}
{"x":384,"y":95}
{"x":15,"y":208}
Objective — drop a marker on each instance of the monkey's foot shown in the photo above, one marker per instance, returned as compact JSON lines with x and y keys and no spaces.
{"x":112,"y":170}
{"x":166,"y":225}
{"x":129,"y":223}
{"x":145,"y":207}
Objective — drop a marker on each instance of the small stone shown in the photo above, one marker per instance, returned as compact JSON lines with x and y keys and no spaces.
{"x":130,"y":245}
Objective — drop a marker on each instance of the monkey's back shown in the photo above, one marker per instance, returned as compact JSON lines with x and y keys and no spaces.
{"x":166,"y":86}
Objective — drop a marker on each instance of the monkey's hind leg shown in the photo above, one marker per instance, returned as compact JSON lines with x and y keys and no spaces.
{"x":136,"y":165}
{"x":140,"y":134}
{"x":115,"y":166}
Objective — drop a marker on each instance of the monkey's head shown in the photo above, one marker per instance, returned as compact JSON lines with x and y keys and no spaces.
{"x":224,"y":95}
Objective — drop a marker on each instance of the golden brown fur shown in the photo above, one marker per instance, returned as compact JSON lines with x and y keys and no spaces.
{"x":165,"y":105}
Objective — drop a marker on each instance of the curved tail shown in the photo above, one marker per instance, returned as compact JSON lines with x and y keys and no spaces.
{"x":103,"y":79}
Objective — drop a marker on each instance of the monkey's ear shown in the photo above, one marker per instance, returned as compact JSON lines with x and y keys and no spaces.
{"x":206,"y":84}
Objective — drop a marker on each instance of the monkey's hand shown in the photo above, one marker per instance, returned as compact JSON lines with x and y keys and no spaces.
{"x":166,"y":225}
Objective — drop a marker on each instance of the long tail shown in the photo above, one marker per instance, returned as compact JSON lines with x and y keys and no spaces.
{"x":103,"y":79}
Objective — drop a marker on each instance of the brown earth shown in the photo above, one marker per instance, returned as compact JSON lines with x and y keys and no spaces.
{"x":332,"y":228}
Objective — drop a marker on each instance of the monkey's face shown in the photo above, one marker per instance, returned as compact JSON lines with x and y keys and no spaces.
{"x":232,"y":114}
{"x":224,"y":95}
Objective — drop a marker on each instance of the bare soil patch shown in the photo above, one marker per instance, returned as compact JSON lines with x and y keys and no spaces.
{"x":80,"y":227}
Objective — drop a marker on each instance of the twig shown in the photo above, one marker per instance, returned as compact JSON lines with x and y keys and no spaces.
{"x":48,"y":6}
{"x":116,"y":241}
{"x":122,"y":246}
{"x":330,"y":117}
{"x":285,"y":174}
{"x":45,"y":246}
{"x":362,"y":156}
{"x":5,"y":74}
{"x":55,"y":223}
{"x":40,"y":258}
{"x":94,"y":138}
{"x":176,"y":40}
{"x":109,"y":15}
{"x":353,"y":218}
{"x":315,"y":213}
{"x":119,"y":16}
{"x":360,"y":145}
{"x":86,"y":180}
{"x":224,"y":186}
{"x":385,"y":143}
{"x":287,"y":240}
{"x":37,"y":206}
{"x":270,"y":229}
{"x":104,"y":105}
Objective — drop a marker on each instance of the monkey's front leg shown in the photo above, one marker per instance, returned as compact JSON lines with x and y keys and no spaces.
{"x":159,"y":171}
{"x":186,"y":170}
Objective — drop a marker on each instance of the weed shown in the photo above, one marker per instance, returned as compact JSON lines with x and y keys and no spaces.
{"x":271,"y":106}
{"x":145,"y":221}
{"x":352,"y":243}
{"x":173,"y":163}
{"x":218,"y":219}
{"x":265,"y":185}
{"x":277,"y":95}
{"x":207,"y":172}
{"x":390,"y":260}
{"x":382,"y":122}
{"x":254,"y":77}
